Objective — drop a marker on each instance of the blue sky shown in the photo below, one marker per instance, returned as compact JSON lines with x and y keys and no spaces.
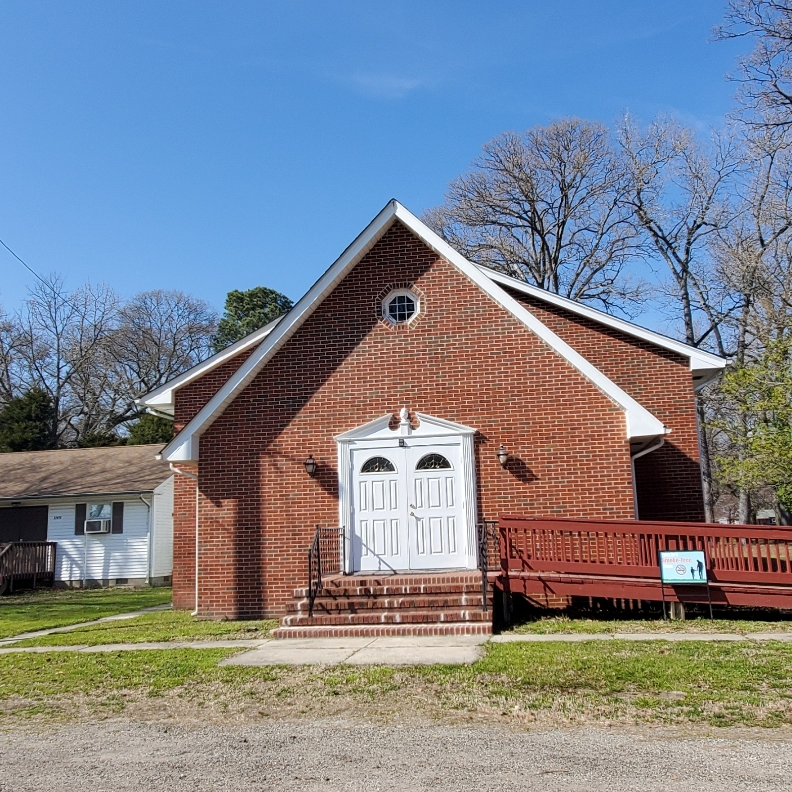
{"x":208,"y":146}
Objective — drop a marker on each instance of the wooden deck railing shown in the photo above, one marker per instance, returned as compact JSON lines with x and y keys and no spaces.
{"x":27,"y":560}
{"x":735,"y":553}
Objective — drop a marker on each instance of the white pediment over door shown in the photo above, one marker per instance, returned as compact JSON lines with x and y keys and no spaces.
{"x":428,"y":426}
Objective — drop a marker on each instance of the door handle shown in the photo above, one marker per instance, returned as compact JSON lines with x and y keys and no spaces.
{"x":412,"y":514}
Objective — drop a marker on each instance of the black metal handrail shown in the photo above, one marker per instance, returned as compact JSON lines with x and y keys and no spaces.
{"x":325,"y":556}
{"x":488,"y":554}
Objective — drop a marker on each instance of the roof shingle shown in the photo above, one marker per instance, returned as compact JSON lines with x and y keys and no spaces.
{"x":81,"y":471}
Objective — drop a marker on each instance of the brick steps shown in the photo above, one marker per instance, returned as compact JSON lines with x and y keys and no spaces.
{"x":365,"y":605}
{"x":412,"y":580}
{"x":392,"y":591}
{"x":430,"y":604}
{"x":401,"y":616}
{"x":385,"y":630}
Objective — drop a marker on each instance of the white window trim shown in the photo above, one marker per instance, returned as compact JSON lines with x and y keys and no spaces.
{"x":386,"y":300}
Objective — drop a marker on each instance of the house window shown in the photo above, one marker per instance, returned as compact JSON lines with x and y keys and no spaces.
{"x":433,"y":462}
{"x":400,"y":306}
{"x":378,"y":464}
{"x":100,"y":511}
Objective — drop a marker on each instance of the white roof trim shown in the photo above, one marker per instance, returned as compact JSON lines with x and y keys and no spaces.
{"x":699,"y":359}
{"x":185,"y":446}
{"x":161,"y":400}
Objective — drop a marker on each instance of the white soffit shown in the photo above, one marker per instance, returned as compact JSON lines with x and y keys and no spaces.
{"x":700,"y":361}
{"x":162,"y":399}
{"x":185,"y":446}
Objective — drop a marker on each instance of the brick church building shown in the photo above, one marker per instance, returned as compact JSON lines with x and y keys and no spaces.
{"x":409,"y":396}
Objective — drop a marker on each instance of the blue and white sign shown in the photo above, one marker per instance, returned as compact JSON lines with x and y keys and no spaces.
{"x":683,"y":566}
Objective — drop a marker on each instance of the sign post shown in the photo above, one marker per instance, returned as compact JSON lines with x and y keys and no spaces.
{"x":683,"y":567}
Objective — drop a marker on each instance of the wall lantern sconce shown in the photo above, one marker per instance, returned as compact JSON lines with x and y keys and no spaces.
{"x":503,"y":456}
{"x":310,"y":466}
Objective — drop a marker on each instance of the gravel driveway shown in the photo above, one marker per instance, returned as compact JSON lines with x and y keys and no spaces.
{"x":332,"y":755}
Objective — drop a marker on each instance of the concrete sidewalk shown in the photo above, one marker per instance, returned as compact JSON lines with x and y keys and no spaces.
{"x":407,"y":650}
{"x":133,"y":647}
{"x":69,"y":627}
{"x":394,"y":650}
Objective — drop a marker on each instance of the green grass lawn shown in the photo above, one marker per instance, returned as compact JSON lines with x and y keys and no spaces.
{"x":160,"y":626}
{"x":564,"y":624}
{"x":619,"y":681}
{"x":45,"y":608}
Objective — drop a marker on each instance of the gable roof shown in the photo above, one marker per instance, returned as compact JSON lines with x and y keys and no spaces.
{"x":704,"y":365}
{"x":162,"y":399}
{"x":185,"y":446}
{"x":113,"y":470}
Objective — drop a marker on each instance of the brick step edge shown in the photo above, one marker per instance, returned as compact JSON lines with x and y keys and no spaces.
{"x":384,"y":630}
{"x":362,"y":605}
{"x":417,"y":579}
{"x":388,"y":617}
{"x":337,"y":592}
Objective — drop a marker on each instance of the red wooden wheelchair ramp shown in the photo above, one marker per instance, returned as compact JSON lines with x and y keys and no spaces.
{"x":543,"y":557}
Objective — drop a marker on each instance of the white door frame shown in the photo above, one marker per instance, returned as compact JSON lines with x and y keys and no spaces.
{"x":378,"y":434}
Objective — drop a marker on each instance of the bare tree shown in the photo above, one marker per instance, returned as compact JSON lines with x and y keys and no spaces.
{"x":753,"y":261}
{"x":160,"y":334}
{"x":9,"y":351}
{"x":548,"y":206}
{"x":766,"y":73}
{"x":752,"y":252}
{"x":680,"y":196}
{"x":94,"y":354}
{"x":61,"y":336}
{"x":679,"y":193}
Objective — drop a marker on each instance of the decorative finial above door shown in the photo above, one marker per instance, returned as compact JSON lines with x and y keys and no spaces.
{"x":404,"y":416}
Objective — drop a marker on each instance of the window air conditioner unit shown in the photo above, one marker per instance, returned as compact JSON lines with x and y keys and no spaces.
{"x":97,"y":526}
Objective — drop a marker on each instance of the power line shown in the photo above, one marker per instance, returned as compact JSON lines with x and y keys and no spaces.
{"x":26,"y":266}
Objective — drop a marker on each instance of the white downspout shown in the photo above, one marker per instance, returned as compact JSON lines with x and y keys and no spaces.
{"x":148,"y":552}
{"x":192,"y":476}
{"x":653,"y":447}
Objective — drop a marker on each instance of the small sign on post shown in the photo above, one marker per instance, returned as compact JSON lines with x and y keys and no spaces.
{"x":683,"y":567}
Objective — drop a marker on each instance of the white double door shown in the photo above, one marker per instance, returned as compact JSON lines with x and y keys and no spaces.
{"x":407,"y":508}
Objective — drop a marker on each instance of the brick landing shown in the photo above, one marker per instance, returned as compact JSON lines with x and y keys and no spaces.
{"x":426,"y":604}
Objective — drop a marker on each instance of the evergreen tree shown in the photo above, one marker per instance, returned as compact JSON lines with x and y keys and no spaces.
{"x":247,"y":311}
{"x":757,"y":421}
{"x":150,"y":429}
{"x":27,"y":422}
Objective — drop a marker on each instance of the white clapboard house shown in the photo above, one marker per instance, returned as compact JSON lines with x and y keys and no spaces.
{"x":110,"y":511}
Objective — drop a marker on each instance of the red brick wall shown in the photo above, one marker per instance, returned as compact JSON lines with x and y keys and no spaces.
{"x":465,"y":360}
{"x":193,"y":396}
{"x":189,"y":401}
{"x":184,"y":539}
{"x":668,"y":480}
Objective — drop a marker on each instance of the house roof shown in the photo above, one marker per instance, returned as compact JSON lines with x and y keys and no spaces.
{"x":162,"y":399}
{"x":81,"y":471}
{"x":704,"y":365}
{"x":640,"y":423}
